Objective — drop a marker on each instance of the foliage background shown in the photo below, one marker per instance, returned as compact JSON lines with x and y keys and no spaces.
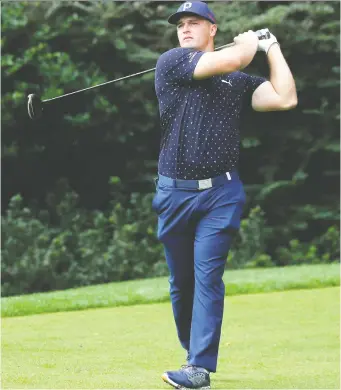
{"x":77,"y":185}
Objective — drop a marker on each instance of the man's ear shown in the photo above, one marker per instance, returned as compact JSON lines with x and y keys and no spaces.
{"x":213,"y":30}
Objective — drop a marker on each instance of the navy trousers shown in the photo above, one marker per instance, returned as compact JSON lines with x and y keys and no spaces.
{"x":195,"y":227}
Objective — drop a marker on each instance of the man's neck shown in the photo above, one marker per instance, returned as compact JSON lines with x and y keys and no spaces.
{"x":209,"y":47}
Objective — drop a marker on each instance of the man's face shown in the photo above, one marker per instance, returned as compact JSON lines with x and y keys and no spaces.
{"x":195,"y":32}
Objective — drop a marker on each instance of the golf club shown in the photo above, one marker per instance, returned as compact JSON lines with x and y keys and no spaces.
{"x":35,"y":104}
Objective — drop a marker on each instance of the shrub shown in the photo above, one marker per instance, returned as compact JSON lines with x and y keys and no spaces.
{"x":324,"y":249}
{"x":329,"y":245}
{"x":248,"y":248}
{"x":82,"y":247}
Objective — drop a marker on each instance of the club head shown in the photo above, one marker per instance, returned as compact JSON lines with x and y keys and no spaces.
{"x":34,"y":106}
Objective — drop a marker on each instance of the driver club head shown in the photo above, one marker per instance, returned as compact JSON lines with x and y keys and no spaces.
{"x":34,"y":106}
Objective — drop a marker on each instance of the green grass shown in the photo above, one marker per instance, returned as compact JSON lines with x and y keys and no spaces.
{"x":237,"y":282}
{"x":281,"y":340}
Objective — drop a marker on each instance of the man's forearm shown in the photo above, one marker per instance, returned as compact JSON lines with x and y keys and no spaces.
{"x":281,"y":77}
{"x":224,"y":61}
{"x":245,"y":54}
{"x":240,"y":55}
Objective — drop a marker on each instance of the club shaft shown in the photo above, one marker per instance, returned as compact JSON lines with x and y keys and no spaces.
{"x":120,"y":79}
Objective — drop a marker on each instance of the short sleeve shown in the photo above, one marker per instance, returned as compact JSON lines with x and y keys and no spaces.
{"x":251,"y":83}
{"x":177,"y":65}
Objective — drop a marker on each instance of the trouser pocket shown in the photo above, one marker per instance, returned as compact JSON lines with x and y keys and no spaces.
{"x":156,"y":180}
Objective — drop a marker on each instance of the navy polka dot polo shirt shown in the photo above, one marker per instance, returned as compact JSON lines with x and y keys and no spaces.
{"x":199,"y":118}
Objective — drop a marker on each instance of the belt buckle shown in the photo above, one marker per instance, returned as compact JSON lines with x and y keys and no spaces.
{"x":204,"y":184}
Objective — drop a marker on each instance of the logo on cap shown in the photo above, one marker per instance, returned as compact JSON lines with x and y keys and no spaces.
{"x":187,"y":5}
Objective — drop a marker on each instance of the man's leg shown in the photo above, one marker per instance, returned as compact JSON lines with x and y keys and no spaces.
{"x":212,"y":243}
{"x":179,"y":253}
{"x":176,"y":232}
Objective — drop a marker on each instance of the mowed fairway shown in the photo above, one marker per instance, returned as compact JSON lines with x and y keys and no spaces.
{"x":282,"y":340}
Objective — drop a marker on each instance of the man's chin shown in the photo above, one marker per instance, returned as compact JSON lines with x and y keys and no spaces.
{"x":188,"y":45}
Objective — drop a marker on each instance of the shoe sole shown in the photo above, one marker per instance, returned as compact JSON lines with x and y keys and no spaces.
{"x":177,"y":386}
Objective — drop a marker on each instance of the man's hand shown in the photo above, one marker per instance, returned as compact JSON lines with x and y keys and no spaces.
{"x":265,"y":44}
{"x":249,"y":39}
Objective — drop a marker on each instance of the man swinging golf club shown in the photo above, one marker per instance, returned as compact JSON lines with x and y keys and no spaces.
{"x":199,"y":196}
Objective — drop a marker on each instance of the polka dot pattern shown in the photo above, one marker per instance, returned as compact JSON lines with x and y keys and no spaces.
{"x":199,"y":118}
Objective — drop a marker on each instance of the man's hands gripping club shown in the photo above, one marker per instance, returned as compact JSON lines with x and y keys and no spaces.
{"x":249,"y":39}
{"x":265,"y":44}
{"x":263,"y":39}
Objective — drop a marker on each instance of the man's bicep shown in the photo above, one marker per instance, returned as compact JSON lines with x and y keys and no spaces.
{"x":265,"y":98}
